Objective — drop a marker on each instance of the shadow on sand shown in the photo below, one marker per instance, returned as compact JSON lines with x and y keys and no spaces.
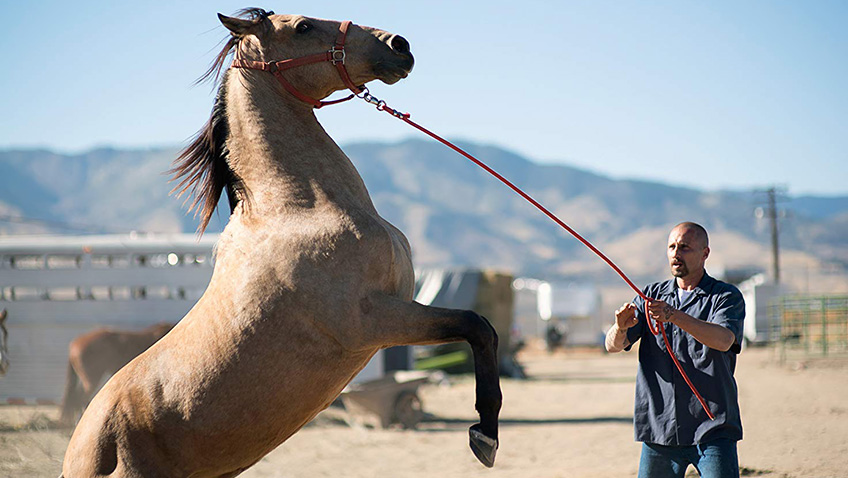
{"x":433,"y":423}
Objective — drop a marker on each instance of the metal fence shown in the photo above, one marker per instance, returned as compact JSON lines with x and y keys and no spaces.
{"x":812,"y":325}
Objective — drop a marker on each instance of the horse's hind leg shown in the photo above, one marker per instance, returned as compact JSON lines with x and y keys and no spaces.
{"x":70,"y":398}
{"x":392,"y":321}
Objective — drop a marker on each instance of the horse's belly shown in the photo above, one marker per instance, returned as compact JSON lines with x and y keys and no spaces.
{"x":214,"y":424}
{"x":234,"y":397}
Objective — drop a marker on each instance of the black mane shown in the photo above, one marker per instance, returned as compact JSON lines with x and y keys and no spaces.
{"x":202,"y":169}
{"x":255,"y":14}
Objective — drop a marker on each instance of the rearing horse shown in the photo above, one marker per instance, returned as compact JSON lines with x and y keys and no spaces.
{"x":309,"y":281}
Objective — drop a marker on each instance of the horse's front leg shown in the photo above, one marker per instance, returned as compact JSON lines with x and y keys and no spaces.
{"x":391,"y":321}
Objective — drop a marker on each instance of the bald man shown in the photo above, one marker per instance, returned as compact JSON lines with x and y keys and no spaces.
{"x":703,"y":320}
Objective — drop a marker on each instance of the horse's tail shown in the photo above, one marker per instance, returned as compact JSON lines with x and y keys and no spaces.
{"x":71,"y":399}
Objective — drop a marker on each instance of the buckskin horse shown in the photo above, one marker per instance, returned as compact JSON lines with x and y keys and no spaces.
{"x":309,"y":281}
{"x":97,"y":354}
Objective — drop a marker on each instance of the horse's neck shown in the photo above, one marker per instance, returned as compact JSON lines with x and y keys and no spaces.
{"x":284,"y":156}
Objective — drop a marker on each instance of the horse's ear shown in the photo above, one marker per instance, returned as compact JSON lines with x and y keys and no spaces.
{"x":238,"y":26}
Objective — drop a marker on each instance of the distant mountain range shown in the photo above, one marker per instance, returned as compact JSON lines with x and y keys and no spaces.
{"x":453,"y":213}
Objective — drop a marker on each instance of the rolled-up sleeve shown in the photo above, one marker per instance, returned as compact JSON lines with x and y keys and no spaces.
{"x":729,"y":312}
{"x":635,"y":333}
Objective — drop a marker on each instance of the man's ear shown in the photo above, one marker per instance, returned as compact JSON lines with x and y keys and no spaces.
{"x":239,"y":26}
{"x":706,"y":253}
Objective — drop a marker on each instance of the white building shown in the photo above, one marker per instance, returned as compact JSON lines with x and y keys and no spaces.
{"x":761,"y":324}
{"x":576,"y":306}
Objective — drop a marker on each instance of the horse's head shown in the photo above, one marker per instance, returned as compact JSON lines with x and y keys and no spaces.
{"x":4,"y":361}
{"x":369,"y":53}
{"x":310,"y":58}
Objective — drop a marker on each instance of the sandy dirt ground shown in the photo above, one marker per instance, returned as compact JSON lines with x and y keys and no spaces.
{"x":571,"y":418}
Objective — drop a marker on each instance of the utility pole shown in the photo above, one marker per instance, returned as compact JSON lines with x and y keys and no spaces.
{"x":772,"y":215}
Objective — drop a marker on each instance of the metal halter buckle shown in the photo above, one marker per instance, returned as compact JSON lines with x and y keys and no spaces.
{"x":337,"y":56}
{"x":369,"y":98}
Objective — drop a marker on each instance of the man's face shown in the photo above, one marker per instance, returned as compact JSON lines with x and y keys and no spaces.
{"x":687,"y":253}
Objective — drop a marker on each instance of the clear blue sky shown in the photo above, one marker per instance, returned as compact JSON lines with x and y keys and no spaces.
{"x":712,"y":94}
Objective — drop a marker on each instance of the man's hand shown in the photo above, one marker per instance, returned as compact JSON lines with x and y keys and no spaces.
{"x":711,"y":335}
{"x":625,"y":316}
{"x":660,"y":311}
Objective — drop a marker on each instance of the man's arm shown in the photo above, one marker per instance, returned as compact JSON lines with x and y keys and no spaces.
{"x":713,"y":336}
{"x":616,"y":340}
{"x":625,"y":317}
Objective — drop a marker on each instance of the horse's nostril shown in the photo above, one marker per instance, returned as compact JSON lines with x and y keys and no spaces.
{"x":399,"y":44}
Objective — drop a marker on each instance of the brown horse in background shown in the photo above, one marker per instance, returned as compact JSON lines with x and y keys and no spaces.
{"x":4,"y":337}
{"x":98,"y":354}
{"x":310,"y":282}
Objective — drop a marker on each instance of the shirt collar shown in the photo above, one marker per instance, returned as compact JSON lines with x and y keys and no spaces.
{"x":705,"y":284}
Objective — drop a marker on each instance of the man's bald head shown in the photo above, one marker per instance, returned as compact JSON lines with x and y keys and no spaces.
{"x":700,"y":234}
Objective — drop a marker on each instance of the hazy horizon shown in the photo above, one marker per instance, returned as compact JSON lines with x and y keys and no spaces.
{"x":716,"y":95}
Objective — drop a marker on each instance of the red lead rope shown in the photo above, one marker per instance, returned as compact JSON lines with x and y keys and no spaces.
{"x":336,"y":55}
{"x":382,"y":106}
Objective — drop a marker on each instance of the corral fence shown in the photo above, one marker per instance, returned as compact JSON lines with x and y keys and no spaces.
{"x":811,"y":325}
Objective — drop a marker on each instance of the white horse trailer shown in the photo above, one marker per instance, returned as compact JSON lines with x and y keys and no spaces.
{"x":58,"y":287}
{"x":575,"y":307}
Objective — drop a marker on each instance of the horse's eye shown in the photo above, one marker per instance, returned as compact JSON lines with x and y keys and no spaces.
{"x":303,"y":27}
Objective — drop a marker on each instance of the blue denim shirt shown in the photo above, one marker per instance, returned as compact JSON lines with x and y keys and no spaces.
{"x":666,"y":410}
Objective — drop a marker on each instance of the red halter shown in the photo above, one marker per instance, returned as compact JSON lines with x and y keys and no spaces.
{"x":335,"y":55}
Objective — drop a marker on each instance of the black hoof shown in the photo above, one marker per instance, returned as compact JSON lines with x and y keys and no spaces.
{"x":484,"y":448}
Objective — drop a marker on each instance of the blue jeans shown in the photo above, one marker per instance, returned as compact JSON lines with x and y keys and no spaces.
{"x":714,"y":459}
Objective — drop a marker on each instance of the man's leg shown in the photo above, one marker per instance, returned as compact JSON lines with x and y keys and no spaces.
{"x":718,"y":459}
{"x":659,"y":461}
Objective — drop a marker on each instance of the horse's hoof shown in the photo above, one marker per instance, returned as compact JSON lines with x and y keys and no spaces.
{"x":484,"y":448}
